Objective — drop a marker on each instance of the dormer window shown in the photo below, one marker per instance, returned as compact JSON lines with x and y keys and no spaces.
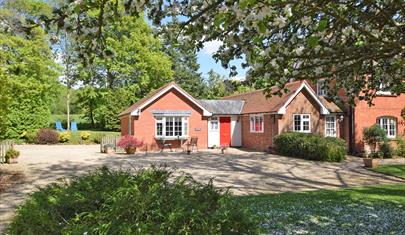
{"x":321,"y":87}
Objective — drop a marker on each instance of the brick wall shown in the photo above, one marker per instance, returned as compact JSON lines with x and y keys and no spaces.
{"x":144,"y":125}
{"x":124,"y":125}
{"x":366,"y":116}
{"x":258,"y":141}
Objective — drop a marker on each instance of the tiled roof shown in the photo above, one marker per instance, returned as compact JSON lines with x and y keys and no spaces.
{"x":330,"y":105}
{"x":257,"y":102}
{"x":223,"y":106}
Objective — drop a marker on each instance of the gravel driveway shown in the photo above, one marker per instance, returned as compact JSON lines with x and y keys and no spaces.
{"x":244,"y":172}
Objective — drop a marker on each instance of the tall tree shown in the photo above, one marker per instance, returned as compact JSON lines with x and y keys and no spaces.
{"x":27,"y":69}
{"x":136,"y":66}
{"x":184,"y":60}
{"x":281,"y":40}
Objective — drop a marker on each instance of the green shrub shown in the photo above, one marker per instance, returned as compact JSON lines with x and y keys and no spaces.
{"x":374,"y":137}
{"x":386,"y":150}
{"x":47,"y":136}
{"x":311,"y":147}
{"x":153,"y":201}
{"x":11,"y":153}
{"x":400,"y":151}
{"x":64,"y":137}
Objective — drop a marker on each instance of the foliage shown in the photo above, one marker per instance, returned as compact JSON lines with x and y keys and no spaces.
{"x":279,"y":40}
{"x":47,"y":136}
{"x":311,"y":147}
{"x":386,"y":150}
{"x":184,"y":60}
{"x":129,"y":142}
{"x":64,"y":136}
{"x":403,"y":113}
{"x":11,"y":154}
{"x":400,"y":151}
{"x":374,"y":136}
{"x":85,"y":135}
{"x":28,"y":72}
{"x":152,"y":201}
{"x":368,"y":210}
{"x":115,"y":82}
{"x":397,"y":170}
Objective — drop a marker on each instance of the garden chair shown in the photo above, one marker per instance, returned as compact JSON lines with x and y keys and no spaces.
{"x":58,"y":126}
{"x":192,"y":144}
{"x":163,"y":144}
{"x":73,"y":126}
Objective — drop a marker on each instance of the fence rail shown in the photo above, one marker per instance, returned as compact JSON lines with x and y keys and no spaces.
{"x":4,"y":146}
{"x":110,"y":140}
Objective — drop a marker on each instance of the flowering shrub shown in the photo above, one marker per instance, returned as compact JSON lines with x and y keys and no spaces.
{"x":84,"y":135}
{"x":64,"y":137}
{"x":47,"y":136}
{"x":129,"y":143}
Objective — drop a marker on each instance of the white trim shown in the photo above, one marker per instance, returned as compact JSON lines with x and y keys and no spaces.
{"x":319,"y":90}
{"x":302,"y":122}
{"x":184,"y":123}
{"x":335,"y":127}
{"x":391,"y":121}
{"x":283,"y":109}
{"x":137,"y":112}
{"x":252,"y":128}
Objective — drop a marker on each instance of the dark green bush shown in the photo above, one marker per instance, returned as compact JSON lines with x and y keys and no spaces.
{"x":400,"y":151}
{"x":311,"y":147}
{"x":153,"y":201}
{"x":386,"y":150}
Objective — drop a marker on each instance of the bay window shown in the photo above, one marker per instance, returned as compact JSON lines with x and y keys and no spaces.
{"x":256,"y":123}
{"x":171,"y":126}
{"x":302,"y":123}
{"x":389,"y":125}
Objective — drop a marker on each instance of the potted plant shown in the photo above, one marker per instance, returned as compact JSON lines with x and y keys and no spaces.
{"x":108,"y":148}
{"x":129,"y":144}
{"x":373,"y":136}
{"x":12,"y":155}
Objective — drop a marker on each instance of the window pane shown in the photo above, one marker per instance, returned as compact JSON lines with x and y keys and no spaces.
{"x":177,"y":126}
{"x":169,"y":126}
{"x":159,"y":129}
{"x":297,"y":122}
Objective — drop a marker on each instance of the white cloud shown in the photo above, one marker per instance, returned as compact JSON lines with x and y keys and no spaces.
{"x":211,"y":47}
{"x":238,"y":78}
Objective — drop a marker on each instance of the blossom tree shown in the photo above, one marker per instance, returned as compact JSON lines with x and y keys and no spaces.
{"x":360,"y":44}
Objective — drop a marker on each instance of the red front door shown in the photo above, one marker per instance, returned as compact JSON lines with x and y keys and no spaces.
{"x":225,"y":131}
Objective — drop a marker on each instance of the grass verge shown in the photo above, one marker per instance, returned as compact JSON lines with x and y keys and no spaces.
{"x":365,"y":210}
{"x":396,"y":170}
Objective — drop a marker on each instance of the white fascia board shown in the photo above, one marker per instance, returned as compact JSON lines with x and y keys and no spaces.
{"x":283,"y":109}
{"x":137,"y":111}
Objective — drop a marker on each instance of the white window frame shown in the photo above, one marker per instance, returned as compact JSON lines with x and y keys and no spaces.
{"x":214,"y":120}
{"x":383,"y":90}
{"x":334,"y":129}
{"x":301,"y":115}
{"x":390,"y":122}
{"x":252,"y":122}
{"x":162,"y":120}
{"x":319,"y":89}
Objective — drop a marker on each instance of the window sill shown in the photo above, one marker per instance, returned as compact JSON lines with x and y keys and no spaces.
{"x":171,"y":137}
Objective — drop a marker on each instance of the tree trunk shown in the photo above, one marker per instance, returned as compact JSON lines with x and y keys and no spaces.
{"x":68,"y":109}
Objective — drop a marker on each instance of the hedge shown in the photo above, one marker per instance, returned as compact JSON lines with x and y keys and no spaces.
{"x":310,"y":146}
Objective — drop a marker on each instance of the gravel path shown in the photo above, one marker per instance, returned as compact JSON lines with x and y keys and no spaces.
{"x":244,"y":172}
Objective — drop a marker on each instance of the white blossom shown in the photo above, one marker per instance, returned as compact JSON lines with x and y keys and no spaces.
{"x":280,"y":21}
{"x":287,"y":11}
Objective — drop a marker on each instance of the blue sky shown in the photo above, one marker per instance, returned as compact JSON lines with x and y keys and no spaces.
{"x":207,"y":62}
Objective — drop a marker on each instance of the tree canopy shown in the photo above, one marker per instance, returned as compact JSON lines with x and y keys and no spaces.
{"x":280,"y":40}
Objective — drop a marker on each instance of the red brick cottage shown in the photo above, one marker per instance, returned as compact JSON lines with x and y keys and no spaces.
{"x":250,"y":120}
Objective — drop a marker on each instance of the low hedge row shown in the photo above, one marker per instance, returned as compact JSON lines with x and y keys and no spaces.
{"x":310,"y":146}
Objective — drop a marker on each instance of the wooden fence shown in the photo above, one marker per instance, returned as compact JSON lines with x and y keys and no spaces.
{"x":110,"y":140}
{"x":4,"y":146}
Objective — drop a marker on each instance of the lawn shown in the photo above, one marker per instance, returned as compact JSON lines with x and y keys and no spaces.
{"x":397,"y":170}
{"x":366,"y":210}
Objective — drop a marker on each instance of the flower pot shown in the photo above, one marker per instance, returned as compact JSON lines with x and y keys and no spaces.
{"x":371,"y":162}
{"x":130,"y":150}
{"x":188,"y":151}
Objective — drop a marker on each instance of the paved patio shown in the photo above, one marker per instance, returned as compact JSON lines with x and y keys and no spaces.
{"x":243,"y":172}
